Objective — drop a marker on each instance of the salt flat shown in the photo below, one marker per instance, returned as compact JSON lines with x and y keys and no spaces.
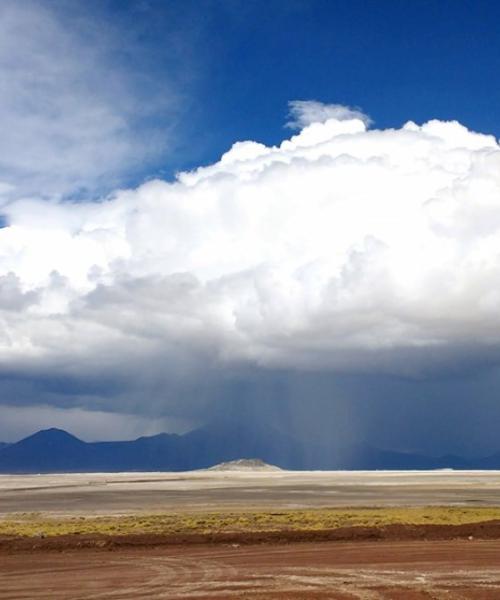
{"x":122,"y":493}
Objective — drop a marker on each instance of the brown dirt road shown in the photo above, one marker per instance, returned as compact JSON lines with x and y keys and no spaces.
{"x":453,"y":569}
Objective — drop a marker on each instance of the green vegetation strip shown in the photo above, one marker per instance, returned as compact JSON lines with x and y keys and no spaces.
{"x":34,"y":524}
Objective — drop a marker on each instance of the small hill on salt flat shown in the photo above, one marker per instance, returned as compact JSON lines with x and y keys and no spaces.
{"x":244,"y":464}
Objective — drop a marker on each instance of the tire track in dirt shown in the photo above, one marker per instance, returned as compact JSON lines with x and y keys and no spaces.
{"x":415,"y":570}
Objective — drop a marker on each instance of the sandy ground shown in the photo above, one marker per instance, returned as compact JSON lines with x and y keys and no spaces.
{"x":452,"y":570}
{"x":119,"y":493}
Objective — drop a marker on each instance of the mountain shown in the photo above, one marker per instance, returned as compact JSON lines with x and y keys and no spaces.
{"x":363,"y":457}
{"x":48,"y":450}
{"x":228,"y":440}
{"x":489,"y":462}
{"x":55,"y":450}
{"x":3,"y":445}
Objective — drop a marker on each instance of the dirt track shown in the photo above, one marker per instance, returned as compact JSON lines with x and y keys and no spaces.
{"x":409,"y":570}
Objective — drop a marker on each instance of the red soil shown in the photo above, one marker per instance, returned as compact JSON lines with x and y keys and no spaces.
{"x":394,"y":563}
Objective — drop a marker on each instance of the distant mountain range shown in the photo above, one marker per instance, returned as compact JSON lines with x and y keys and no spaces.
{"x":56,"y":451}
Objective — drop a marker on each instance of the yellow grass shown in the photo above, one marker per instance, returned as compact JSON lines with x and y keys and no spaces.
{"x":35,"y":524}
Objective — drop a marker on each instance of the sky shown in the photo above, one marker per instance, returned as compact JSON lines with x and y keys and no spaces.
{"x":277,"y":212}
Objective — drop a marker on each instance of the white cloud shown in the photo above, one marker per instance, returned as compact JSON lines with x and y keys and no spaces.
{"x":305,"y":112}
{"x":72,"y":112}
{"x":340,"y":249}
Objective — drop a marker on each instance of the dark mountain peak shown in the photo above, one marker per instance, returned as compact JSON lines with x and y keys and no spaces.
{"x":48,"y":450}
{"x":51,"y":436}
{"x":54,"y":431}
{"x":158,"y":437}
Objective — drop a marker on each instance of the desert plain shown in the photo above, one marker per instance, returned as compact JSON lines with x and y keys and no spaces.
{"x":251,"y":533}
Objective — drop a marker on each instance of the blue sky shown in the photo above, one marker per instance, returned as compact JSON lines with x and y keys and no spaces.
{"x":213,"y":72}
{"x":396,"y":60}
{"x":329,"y":275}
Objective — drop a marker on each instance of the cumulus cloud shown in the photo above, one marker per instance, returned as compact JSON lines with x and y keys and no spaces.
{"x":342,"y":249}
{"x":304,"y":112}
{"x":74,"y":108}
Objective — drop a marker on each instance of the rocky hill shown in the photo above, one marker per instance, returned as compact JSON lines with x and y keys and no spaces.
{"x":245,"y":464}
